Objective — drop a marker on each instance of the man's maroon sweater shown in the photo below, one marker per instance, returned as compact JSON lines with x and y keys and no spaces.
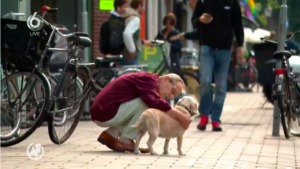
{"x":125,"y":88}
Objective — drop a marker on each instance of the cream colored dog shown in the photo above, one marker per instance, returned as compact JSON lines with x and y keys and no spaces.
{"x":159,"y":124}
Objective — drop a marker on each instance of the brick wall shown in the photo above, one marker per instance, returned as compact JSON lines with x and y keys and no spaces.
{"x":98,"y":18}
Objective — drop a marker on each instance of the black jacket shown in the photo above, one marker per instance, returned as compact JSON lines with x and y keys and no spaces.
{"x":227,"y":21}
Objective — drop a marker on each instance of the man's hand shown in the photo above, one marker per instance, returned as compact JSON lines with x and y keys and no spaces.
{"x":131,"y":56}
{"x":239,"y":53}
{"x":205,"y":18}
{"x":177,"y":37}
{"x":183,"y":119}
{"x":147,"y":42}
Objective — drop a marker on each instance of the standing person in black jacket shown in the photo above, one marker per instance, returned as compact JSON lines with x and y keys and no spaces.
{"x":217,"y":21}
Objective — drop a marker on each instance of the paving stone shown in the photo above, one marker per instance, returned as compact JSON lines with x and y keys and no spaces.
{"x":245,"y":143}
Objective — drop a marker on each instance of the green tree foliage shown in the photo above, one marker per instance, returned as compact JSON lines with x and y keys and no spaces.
{"x":261,"y":7}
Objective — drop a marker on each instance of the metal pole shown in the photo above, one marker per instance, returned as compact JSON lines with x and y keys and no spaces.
{"x":189,"y":24}
{"x":85,"y":28}
{"x":281,"y":43}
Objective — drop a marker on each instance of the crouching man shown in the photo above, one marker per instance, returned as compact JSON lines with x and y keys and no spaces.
{"x":122,"y":101}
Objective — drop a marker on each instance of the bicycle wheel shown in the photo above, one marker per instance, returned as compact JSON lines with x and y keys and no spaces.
{"x":23,"y":98}
{"x":192,"y":84}
{"x":66,"y":111}
{"x":285,"y":107}
{"x":295,"y":122}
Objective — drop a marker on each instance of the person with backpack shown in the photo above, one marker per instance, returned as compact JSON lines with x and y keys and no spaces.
{"x":111,"y":31}
{"x":131,"y":34}
{"x":218,"y":22}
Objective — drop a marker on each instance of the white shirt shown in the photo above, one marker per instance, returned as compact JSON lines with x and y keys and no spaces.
{"x":130,"y":29}
{"x":113,"y":12}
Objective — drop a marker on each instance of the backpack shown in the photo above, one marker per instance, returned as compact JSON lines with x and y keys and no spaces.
{"x":111,"y":34}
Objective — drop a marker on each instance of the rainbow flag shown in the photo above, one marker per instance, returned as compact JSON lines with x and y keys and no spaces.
{"x":250,"y":10}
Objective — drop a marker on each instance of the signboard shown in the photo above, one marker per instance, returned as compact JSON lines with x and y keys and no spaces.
{"x":152,"y":56}
{"x":106,"y":5}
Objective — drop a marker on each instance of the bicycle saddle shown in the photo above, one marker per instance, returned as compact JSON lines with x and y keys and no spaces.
{"x":81,"y":34}
{"x":80,"y":40}
{"x":281,"y":53}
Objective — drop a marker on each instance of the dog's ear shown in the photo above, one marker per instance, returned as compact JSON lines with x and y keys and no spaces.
{"x":194,"y":108}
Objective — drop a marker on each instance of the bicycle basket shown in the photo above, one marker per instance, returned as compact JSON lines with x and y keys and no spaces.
{"x":19,"y":45}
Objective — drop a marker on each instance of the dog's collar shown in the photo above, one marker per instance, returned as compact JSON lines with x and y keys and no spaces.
{"x":186,"y":108}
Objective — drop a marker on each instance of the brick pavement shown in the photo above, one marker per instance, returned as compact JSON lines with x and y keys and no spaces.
{"x":245,"y":143}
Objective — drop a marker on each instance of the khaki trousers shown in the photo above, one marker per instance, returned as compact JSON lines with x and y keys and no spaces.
{"x":127,"y":115}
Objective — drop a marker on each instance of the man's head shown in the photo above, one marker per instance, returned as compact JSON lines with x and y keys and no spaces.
{"x":138,"y":5}
{"x":120,"y":6}
{"x":170,"y":86}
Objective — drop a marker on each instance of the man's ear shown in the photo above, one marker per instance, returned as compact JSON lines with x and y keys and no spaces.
{"x":166,"y":78}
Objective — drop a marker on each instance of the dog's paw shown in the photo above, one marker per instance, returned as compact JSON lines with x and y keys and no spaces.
{"x":137,"y":152}
{"x":182,"y":154}
{"x":153,"y":153}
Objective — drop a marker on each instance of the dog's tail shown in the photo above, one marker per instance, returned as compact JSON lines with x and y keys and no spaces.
{"x":139,"y":122}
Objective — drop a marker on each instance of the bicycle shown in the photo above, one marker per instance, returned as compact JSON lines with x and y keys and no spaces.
{"x":190,"y":78}
{"x":287,"y":91}
{"x":26,"y":90}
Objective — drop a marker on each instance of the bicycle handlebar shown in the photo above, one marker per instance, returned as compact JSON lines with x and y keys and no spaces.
{"x":157,"y":42}
{"x":36,"y":22}
{"x":48,"y":9}
{"x":265,"y":40}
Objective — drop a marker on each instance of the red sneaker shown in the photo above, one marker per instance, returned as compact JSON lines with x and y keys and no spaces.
{"x":203,"y":122}
{"x":216,"y":126}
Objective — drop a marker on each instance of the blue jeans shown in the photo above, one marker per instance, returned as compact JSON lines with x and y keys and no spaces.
{"x":213,"y":64}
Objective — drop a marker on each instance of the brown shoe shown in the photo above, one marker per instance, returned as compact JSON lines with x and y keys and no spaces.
{"x":106,"y":139}
{"x":116,"y":145}
{"x":123,"y":147}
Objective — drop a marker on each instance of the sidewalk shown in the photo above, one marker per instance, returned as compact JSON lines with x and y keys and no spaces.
{"x":245,"y":143}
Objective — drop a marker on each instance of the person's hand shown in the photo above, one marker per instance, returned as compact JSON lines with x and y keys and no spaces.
{"x":131,"y":56}
{"x":147,"y":42}
{"x":239,"y":53}
{"x":177,"y":37}
{"x":205,"y":18}
{"x":183,"y":119}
